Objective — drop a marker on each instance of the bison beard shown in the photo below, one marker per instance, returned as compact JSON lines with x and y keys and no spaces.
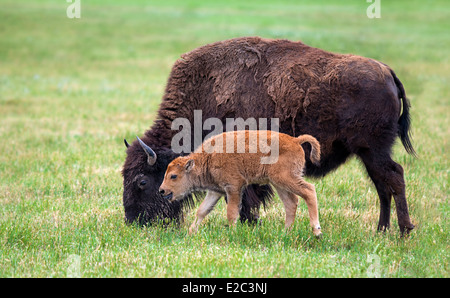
{"x":352,"y":105}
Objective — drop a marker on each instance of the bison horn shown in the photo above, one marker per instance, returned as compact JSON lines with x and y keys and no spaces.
{"x":126,"y":143}
{"x":151,"y":155}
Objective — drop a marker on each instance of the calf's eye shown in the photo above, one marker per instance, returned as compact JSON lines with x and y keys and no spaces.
{"x":173,"y":176}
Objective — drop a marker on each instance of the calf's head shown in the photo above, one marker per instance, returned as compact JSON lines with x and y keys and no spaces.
{"x":176,"y":183}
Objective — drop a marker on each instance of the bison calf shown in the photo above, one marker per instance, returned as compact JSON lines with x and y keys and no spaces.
{"x":214,"y":168}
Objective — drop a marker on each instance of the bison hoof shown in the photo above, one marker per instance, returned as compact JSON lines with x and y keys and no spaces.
{"x":405,"y":230}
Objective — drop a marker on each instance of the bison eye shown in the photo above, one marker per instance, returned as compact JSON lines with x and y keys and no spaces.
{"x":173,"y":176}
{"x":142,"y":181}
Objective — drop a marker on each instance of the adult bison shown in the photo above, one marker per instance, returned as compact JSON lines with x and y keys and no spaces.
{"x":352,"y":105}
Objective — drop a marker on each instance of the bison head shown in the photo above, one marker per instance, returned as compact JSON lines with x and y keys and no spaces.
{"x":143,"y":173}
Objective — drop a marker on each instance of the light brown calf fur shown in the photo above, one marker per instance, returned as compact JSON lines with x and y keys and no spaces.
{"x":224,"y":173}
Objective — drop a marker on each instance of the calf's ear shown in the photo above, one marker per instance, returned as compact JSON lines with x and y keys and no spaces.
{"x":189,"y":165}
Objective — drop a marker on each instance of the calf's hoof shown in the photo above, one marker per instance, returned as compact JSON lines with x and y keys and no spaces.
{"x":317,"y":232}
{"x":192,"y":230}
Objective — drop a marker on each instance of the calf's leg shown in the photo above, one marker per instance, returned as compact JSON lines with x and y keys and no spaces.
{"x":233,"y":205}
{"x":290,"y":202}
{"x":205,"y":208}
{"x":307,"y":191}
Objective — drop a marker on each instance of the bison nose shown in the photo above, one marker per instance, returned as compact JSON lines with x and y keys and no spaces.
{"x":161,"y":191}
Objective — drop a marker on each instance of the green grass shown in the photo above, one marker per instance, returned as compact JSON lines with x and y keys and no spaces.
{"x":72,"y":89}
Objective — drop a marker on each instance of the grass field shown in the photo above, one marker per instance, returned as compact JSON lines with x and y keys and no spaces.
{"x":72,"y":89}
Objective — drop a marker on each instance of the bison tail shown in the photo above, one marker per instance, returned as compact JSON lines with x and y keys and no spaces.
{"x":404,"y":122}
{"x":315,"y":147}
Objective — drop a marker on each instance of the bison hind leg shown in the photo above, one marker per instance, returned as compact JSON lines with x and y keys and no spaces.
{"x":387,"y":176}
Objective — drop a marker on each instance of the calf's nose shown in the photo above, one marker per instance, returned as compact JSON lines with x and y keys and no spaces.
{"x":161,"y":191}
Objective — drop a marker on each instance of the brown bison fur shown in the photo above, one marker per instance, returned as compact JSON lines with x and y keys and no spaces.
{"x":351,"y":104}
{"x":224,"y":173}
